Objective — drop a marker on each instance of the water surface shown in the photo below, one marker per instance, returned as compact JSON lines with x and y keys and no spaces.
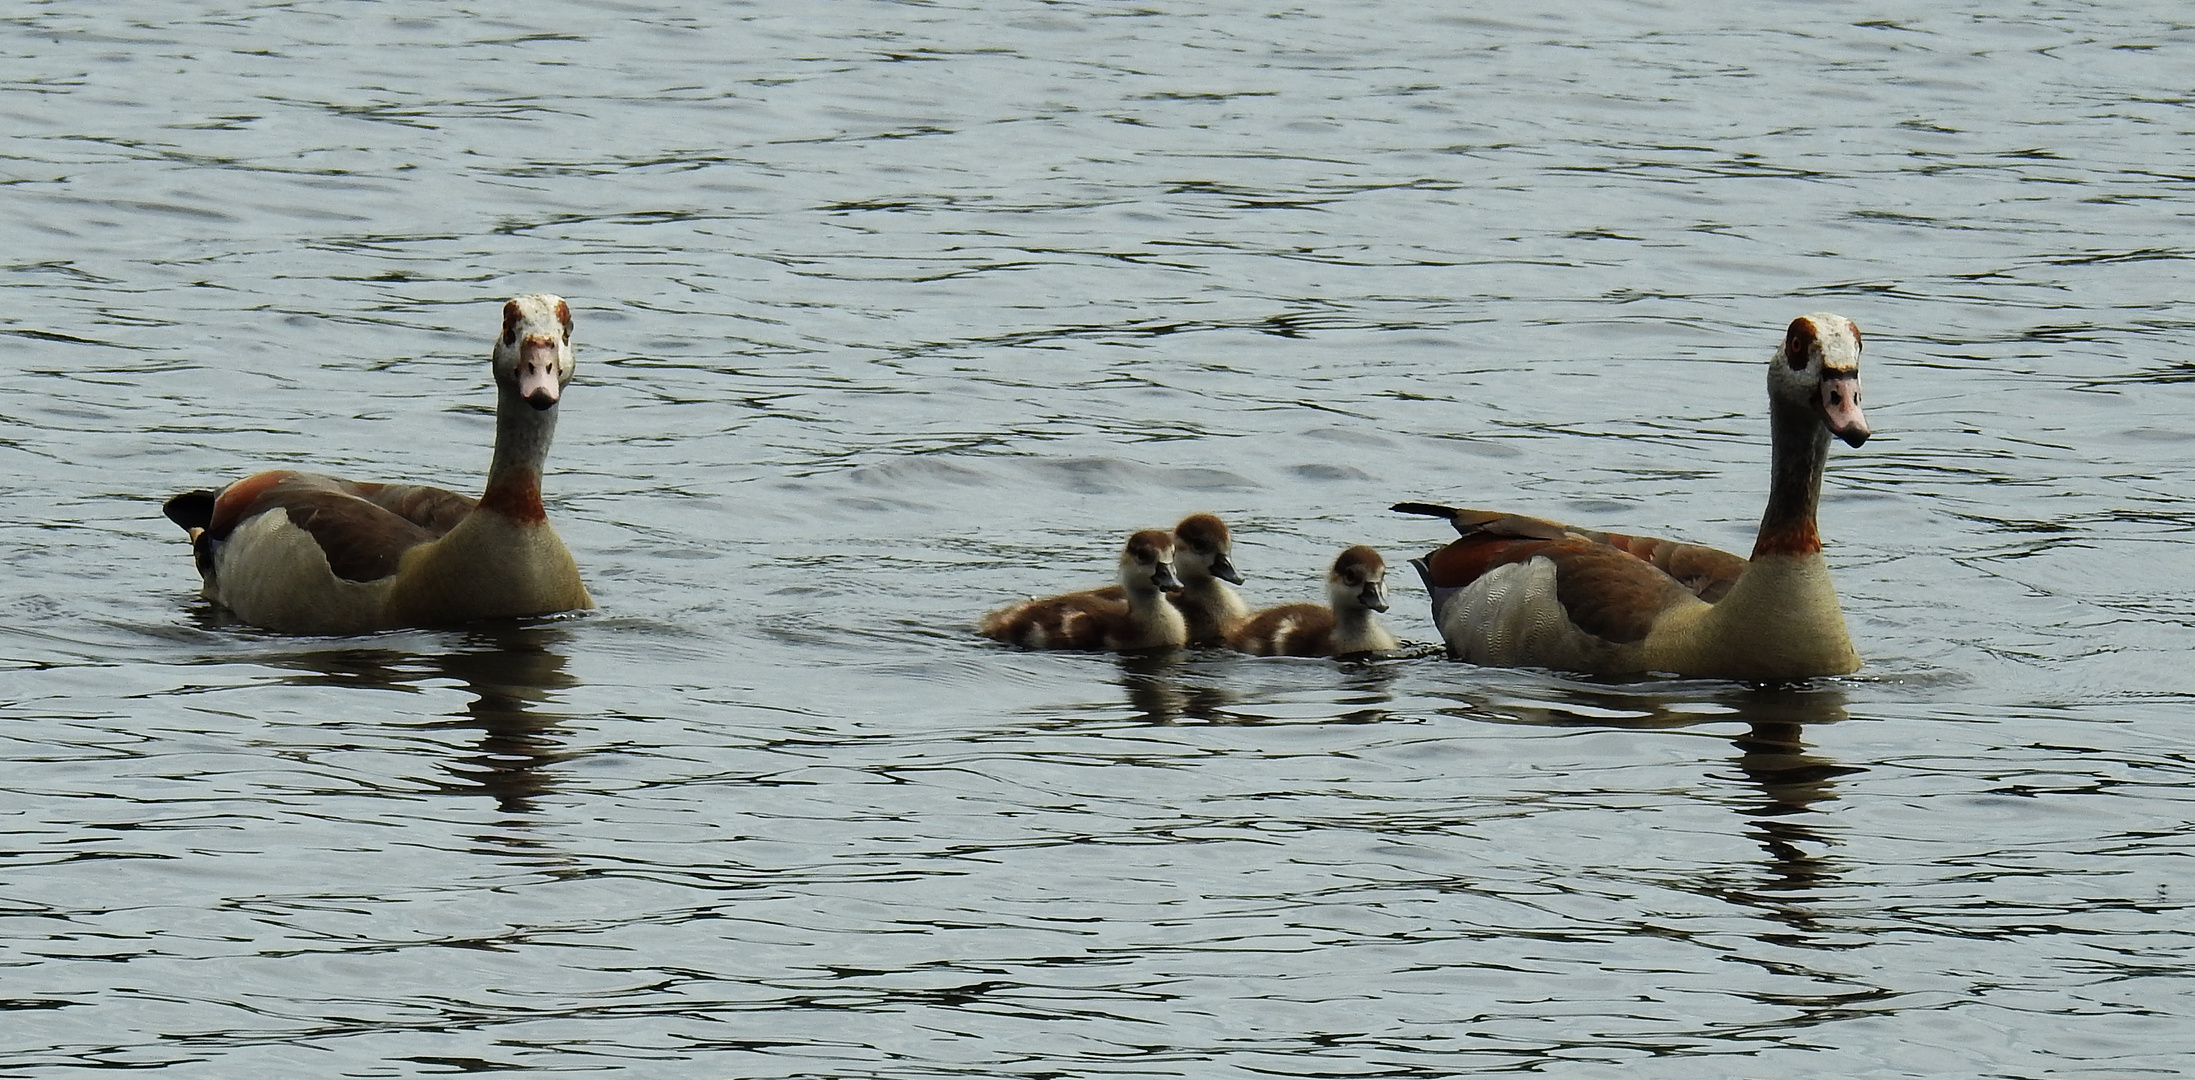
{"x":889,"y":313}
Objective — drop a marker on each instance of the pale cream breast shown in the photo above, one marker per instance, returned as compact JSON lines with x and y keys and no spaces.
{"x":1780,"y":621}
{"x":488,"y":567}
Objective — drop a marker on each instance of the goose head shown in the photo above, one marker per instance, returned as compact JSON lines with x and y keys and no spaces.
{"x":533,"y":355}
{"x":1817,"y":370}
{"x":1358,"y":580}
{"x":1147,"y":563}
{"x":1209,"y":549}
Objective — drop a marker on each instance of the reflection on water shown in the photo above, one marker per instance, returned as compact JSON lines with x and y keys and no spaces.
{"x":1772,"y":757}
{"x":1772,"y":752}
{"x":1571,"y":701}
{"x":1171,"y":686}
{"x":1162,"y":690}
{"x":512,"y":672}
{"x":890,"y":310}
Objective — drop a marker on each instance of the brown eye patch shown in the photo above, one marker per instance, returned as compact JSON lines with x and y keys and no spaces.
{"x":510,"y":322}
{"x":564,"y":316}
{"x":1797,"y":341}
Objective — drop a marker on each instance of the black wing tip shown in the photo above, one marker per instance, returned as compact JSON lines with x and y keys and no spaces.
{"x":1427,"y":509}
{"x":191,"y":510}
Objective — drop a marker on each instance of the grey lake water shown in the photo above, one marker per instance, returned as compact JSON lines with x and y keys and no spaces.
{"x":890,"y":313}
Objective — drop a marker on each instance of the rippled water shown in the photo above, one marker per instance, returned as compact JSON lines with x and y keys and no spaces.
{"x":891,"y":312}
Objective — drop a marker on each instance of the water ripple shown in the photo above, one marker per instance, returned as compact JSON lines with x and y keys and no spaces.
{"x":888,"y":314}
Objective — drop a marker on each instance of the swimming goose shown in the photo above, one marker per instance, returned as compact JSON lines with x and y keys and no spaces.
{"x":1356,"y":588}
{"x":1520,"y":591}
{"x":1204,"y":560}
{"x":304,"y":553}
{"x":1138,"y":618}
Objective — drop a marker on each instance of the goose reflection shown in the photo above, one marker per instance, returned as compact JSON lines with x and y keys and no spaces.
{"x":511,"y":671}
{"x":1772,"y":758}
{"x":1171,"y":686}
{"x":1160,"y":693}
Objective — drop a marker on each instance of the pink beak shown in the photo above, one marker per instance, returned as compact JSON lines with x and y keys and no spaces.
{"x":537,"y":373}
{"x":1841,"y":409}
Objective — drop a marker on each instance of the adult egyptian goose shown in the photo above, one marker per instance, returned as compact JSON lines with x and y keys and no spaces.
{"x":1204,"y":560}
{"x":303,"y":553}
{"x":1139,"y":618}
{"x":1519,"y":591}
{"x":1356,"y":589}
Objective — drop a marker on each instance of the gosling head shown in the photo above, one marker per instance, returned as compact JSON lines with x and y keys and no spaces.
{"x":1202,"y":548}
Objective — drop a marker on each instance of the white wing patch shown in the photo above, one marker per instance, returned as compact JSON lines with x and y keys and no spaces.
{"x":289,"y":585}
{"x":1510,"y":617}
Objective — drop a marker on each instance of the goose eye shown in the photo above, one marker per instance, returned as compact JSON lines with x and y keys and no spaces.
{"x":510,"y":323}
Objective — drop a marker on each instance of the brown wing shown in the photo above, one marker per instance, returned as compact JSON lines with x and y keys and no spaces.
{"x":430,"y":508}
{"x":362,"y":539}
{"x":1287,"y":630}
{"x":1490,"y":522}
{"x":1606,"y":592}
{"x":1075,"y":621}
{"x":1706,"y":572}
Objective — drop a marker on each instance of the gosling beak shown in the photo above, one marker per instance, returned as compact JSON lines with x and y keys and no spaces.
{"x":1223,"y":568}
{"x":1163,"y":576}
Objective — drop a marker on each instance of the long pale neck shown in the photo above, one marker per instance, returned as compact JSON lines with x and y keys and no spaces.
{"x":1780,"y":619}
{"x":522,"y":437}
{"x":1799,"y":448}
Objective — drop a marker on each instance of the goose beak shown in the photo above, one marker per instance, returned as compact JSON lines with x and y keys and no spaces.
{"x":1223,"y":568}
{"x":1374,"y":595}
{"x":1163,"y":576}
{"x":1841,"y":408}
{"x":537,"y":373}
